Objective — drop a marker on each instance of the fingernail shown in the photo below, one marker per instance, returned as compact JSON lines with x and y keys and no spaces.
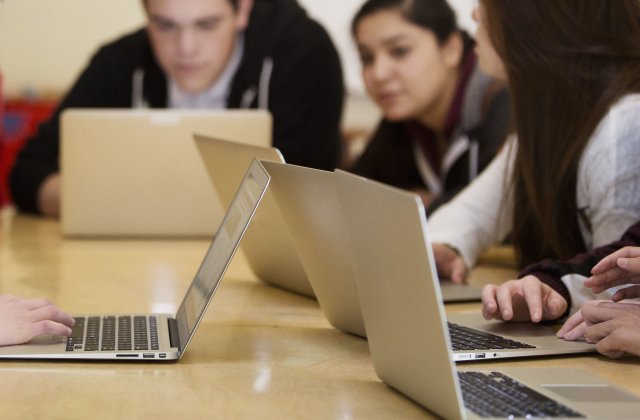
{"x":622,"y":262}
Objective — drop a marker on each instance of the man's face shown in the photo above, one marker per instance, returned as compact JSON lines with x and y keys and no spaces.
{"x":193,"y":39}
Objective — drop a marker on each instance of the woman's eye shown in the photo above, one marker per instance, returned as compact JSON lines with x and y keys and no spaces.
{"x":399,"y":52}
{"x":366,"y":59}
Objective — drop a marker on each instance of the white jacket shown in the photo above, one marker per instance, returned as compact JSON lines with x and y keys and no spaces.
{"x":608,"y":188}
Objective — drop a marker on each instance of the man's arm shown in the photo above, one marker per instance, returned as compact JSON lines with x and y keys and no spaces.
{"x":37,"y":165}
{"x":306,"y":99}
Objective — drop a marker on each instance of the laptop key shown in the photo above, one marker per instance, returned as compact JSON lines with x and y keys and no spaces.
{"x":464,"y":338}
{"x":493,"y":394}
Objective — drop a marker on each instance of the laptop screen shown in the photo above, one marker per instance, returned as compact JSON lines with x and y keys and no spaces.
{"x":221,"y":251}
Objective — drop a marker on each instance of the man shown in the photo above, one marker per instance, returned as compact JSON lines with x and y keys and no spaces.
{"x":206,"y":54}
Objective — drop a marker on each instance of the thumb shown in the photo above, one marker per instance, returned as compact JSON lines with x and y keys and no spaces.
{"x":629,"y":264}
{"x":555,"y":306}
{"x":458,"y":271}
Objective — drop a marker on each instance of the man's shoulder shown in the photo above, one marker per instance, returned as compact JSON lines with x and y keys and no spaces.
{"x":135,"y":42}
{"x":285,"y":22}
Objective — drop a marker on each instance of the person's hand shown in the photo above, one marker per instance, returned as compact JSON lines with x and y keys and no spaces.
{"x":617,"y":269}
{"x":426,"y":196}
{"x":450,"y":264}
{"x":526,"y":299}
{"x":613,"y":326}
{"x":575,"y":327}
{"x":23,"y":319}
{"x":49,"y":196}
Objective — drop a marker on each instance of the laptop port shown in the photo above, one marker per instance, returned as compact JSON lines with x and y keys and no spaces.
{"x":148,"y":356}
{"x":163,"y":355}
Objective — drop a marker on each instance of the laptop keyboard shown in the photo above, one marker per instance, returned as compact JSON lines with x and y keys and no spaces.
{"x":464,"y":338}
{"x":111,"y":333}
{"x":493,"y":394}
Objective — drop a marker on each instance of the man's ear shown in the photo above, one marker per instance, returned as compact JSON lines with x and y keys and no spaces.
{"x":243,"y":13}
{"x":453,"y":49}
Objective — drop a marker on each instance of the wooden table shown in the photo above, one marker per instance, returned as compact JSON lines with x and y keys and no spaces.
{"x":259,"y":353}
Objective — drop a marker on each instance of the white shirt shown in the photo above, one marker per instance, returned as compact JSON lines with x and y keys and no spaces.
{"x":608,"y":187}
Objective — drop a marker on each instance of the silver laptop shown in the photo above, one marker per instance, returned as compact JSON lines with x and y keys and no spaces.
{"x":137,"y":172}
{"x":408,"y":335}
{"x":397,"y":225}
{"x":267,"y":244}
{"x":157,"y":337}
{"x":309,"y":202}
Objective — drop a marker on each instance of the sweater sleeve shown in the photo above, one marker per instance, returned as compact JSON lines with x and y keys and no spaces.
{"x":552,"y":272}
{"x":608,"y":190}
{"x":481,"y":214}
{"x":306,"y":99}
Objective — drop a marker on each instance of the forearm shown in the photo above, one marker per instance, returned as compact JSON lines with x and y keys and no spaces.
{"x":480,"y":215}
{"x":36,"y":162}
{"x":551,"y":271}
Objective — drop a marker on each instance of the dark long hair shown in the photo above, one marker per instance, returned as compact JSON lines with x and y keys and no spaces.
{"x":567,"y":63}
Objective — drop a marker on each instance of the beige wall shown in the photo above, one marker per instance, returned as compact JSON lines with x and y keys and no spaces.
{"x":44,"y":44}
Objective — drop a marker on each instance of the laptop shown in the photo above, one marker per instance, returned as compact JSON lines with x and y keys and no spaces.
{"x":157,"y":337}
{"x":309,"y":202}
{"x":267,"y":244}
{"x":132,"y":173}
{"x":396,"y":224}
{"x":408,"y":336}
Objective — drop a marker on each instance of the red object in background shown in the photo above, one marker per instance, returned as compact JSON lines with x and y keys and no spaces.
{"x":19,"y":121}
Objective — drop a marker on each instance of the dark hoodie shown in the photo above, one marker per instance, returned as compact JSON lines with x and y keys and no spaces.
{"x":289,"y":67}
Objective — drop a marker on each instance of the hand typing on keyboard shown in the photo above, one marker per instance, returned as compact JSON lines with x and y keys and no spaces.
{"x":23,"y":319}
{"x":525,"y":299}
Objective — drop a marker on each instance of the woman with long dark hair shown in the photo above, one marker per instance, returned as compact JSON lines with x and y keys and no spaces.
{"x":570,"y":179}
{"x":443,"y":118}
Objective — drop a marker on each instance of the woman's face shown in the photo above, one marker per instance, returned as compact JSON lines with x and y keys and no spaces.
{"x":405,"y":70}
{"x":490,"y":61}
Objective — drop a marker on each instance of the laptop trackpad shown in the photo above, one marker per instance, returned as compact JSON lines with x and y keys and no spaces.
{"x":591,"y":393}
{"x":47,"y":340}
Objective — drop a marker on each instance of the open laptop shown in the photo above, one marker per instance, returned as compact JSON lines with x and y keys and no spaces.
{"x":267,"y":244}
{"x":309,"y":202}
{"x":137,"y":172}
{"x":408,"y":336}
{"x":397,"y":226}
{"x":157,"y":337}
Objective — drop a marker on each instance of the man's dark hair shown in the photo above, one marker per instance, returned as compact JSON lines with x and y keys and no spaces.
{"x":234,"y":3}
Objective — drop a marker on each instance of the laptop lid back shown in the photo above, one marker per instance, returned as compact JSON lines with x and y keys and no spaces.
{"x":137,"y":172}
{"x":223,"y":247}
{"x":267,"y":245}
{"x":308,"y":200}
{"x":398,"y":286}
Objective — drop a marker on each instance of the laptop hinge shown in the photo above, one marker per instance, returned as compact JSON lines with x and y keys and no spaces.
{"x":174,"y":337}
